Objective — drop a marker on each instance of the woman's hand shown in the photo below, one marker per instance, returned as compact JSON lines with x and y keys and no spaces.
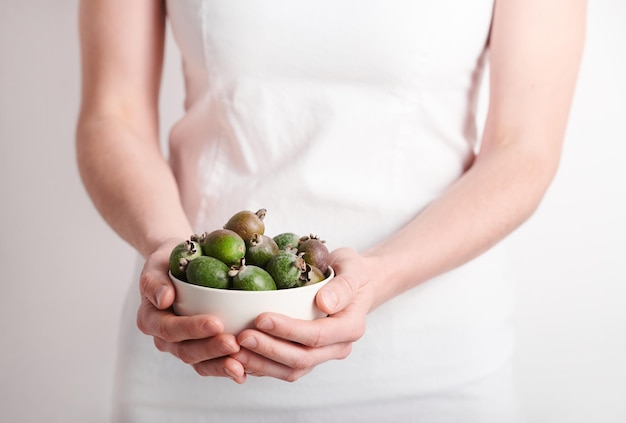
{"x":287,"y":349}
{"x":196,"y":340}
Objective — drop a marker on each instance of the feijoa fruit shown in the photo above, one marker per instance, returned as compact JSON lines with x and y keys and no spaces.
{"x":315,"y":252}
{"x":287,"y":240}
{"x":247,"y":223}
{"x":312,"y":276}
{"x":286,"y":269}
{"x":260,"y":249}
{"x":181,"y":255}
{"x":224,"y":245}
{"x":208,"y":271}
{"x":251,"y":278}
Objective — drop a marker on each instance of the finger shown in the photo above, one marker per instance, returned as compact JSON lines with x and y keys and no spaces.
{"x":172,"y":328}
{"x":154,"y":282}
{"x":345,"y":326}
{"x":290,"y":354}
{"x":256,"y":365}
{"x":284,"y":360}
{"x":198,"y":350}
{"x":337,"y":294}
{"x":222,"y":367}
{"x":344,"y":287}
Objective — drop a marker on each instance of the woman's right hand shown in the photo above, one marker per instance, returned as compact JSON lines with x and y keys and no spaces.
{"x":196,"y":340}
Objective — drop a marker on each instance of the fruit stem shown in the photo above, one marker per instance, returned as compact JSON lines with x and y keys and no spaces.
{"x":191,"y":247}
{"x":261,"y":213}
{"x":236,"y":269}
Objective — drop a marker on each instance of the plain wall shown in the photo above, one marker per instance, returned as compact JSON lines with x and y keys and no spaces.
{"x":65,"y":273}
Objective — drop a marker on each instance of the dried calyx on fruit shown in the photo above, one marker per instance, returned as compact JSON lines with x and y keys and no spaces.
{"x":311,"y":276}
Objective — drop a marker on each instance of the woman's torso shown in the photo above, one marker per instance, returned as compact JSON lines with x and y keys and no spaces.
{"x":343,"y":118}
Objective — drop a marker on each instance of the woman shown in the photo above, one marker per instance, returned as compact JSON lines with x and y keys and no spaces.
{"x":355,"y":120}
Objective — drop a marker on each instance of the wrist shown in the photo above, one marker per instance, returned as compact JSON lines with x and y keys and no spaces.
{"x":380,"y":279}
{"x":391,"y":274}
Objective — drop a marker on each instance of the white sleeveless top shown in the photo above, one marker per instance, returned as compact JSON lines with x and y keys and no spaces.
{"x":343,"y":118}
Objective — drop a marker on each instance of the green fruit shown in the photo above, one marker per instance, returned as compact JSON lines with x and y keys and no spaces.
{"x":260,"y":249}
{"x":315,"y":252}
{"x":223,"y":244}
{"x":181,"y":255}
{"x":287,"y":240}
{"x":286,"y":269}
{"x":246,"y":223}
{"x":251,"y":278}
{"x":208,"y":271}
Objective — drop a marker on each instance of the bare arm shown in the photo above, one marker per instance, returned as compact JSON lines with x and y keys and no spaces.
{"x":127,"y":176}
{"x":118,"y":149}
{"x":535,"y":49}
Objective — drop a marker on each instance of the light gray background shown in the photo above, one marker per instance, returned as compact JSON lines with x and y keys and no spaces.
{"x":65,"y":273}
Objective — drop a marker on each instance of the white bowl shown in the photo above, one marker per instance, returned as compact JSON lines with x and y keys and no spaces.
{"x":238,"y":309}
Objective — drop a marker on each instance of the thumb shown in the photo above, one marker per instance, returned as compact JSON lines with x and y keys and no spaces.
{"x":341,"y":290}
{"x":154,"y":281}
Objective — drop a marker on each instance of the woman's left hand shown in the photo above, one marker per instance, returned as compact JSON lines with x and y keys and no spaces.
{"x":287,"y":349}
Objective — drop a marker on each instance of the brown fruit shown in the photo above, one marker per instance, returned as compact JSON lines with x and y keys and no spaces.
{"x":315,"y":252}
{"x":247,"y":223}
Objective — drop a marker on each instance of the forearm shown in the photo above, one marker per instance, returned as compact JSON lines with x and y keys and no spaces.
{"x":130,"y":182}
{"x":499,"y":192}
{"x":535,"y":52}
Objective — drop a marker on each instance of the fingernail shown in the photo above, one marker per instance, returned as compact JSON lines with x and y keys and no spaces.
{"x":241,"y":357}
{"x":230,"y":347}
{"x":229,"y":373}
{"x":211,"y":328}
{"x":159,"y":295}
{"x":330,"y":299}
{"x":265,"y":324}
{"x":250,"y":342}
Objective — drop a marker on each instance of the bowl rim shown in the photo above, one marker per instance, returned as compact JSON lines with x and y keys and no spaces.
{"x":240,"y":292}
